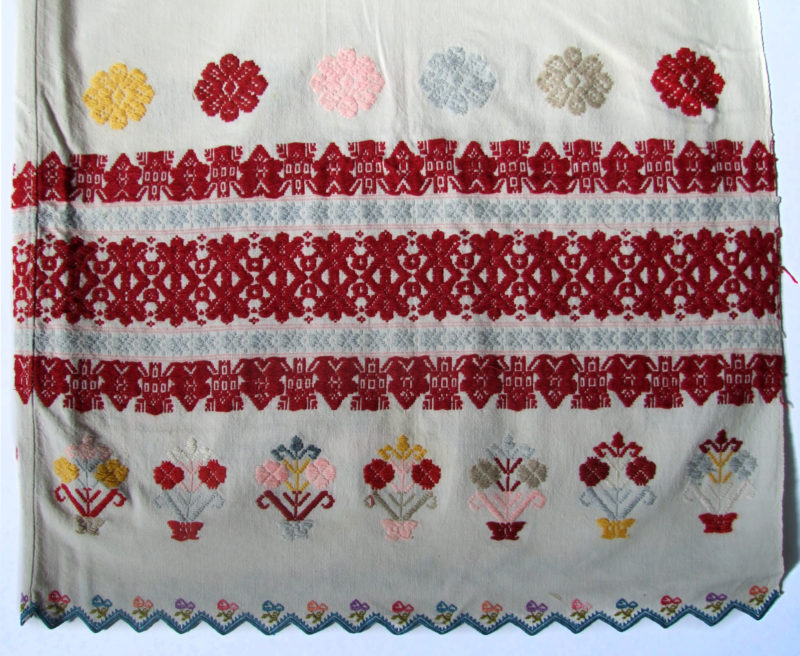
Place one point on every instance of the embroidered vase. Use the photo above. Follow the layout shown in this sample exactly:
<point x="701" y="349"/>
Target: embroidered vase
<point x="505" y="530"/>
<point x="718" y="523"/>
<point x="614" y="528"/>
<point x="182" y="531"/>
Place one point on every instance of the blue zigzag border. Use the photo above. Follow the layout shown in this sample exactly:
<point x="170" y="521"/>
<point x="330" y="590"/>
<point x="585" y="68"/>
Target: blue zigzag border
<point x="33" y="610"/>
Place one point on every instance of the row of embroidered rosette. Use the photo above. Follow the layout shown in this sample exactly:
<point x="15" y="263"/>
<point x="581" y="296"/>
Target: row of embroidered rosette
<point x="274" y="616"/>
<point x="455" y="80"/>
<point x="367" y="170"/>
<point x="402" y="480"/>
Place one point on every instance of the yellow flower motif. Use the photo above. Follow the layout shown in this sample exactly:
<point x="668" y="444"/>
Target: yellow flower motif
<point x="65" y="470"/>
<point x="111" y="473"/>
<point x="118" y="95"/>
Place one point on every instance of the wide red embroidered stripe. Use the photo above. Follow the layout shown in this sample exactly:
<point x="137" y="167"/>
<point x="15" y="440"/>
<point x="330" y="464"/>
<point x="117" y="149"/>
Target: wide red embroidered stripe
<point x="369" y="167"/>
<point x="387" y="276"/>
<point x="374" y="383"/>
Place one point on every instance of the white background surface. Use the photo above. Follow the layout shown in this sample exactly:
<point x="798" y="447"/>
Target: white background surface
<point x="778" y="632"/>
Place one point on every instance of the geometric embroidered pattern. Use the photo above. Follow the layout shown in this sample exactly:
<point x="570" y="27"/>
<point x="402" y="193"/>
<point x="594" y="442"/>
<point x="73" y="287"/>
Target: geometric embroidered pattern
<point x="515" y="382"/>
<point x="286" y="276"/>
<point x="368" y="167"/>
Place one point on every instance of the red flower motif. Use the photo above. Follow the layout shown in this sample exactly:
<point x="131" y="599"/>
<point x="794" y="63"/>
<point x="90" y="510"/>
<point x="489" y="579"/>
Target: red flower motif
<point x="593" y="471"/>
<point x="426" y="474"/>
<point x="378" y="474"/>
<point x="687" y="81"/>
<point x="167" y="475"/>
<point x="212" y="474"/>
<point x="230" y="87"/>
<point x="641" y="470"/>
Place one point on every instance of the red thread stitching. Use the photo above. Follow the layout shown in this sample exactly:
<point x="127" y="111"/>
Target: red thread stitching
<point x="289" y="276"/>
<point x="371" y="384"/>
<point x="309" y="169"/>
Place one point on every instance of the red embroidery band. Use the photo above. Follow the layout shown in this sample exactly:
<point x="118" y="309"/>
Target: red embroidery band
<point x="369" y="167"/>
<point x="389" y="276"/>
<point x="372" y="383"/>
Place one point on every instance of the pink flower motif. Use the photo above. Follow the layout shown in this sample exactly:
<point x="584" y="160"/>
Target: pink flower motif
<point x="347" y="83"/>
<point x="230" y="87"/>
<point x="320" y="473"/>
<point x="271" y="474"/>
<point x="88" y="450"/>
<point x="578" y="605"/>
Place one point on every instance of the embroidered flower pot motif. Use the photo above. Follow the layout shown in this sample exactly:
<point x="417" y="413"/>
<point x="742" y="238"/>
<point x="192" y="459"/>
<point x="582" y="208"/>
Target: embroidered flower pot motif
<point x="502" y="480"/>
<point x="402" y="612"/>
<point x="536" y="611"/>
<point x="718" y="476"/>
<point x="272" y="611"/>
<point x="687" y="81"/>
<point x="670" y="605"/>
<point x="616" y="479"/>
<point x="118" y="95"/>
<point x="456" y="80"/>
<point x="230" y="87"/>
<point x="358" y="610"/>
<point x="58" y="603"/>
<point x="142" y="607"/>
<point x="189" y="483"/>
<point x="575" y="81"/>
<point x="402" y="482"/>
<point x="90" y="481"/>
<point x="445" y="612"/>
<point x="347" y="83"/>
<point x="758" y="594"/>
<point x="295" y="468"/>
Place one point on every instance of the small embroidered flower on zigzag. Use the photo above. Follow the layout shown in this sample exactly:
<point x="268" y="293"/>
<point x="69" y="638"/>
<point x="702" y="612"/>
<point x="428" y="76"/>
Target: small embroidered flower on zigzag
<point x="190" y="483"/>
<point x="226" y="610"/>
<point x="58" y="603"/>
<point x="24" y="600"/>
<point x="183" y="609"/>
<point x="456" y="79"/>
<point x="580" y="609"/>
<point x="100" y="607"/>
<point x="445" y="612"/>
<point x="491" y="612"/>
<point x="88" y="465"/>
<point x="295" y="467"/>
<point x="575" y="81"/>
<point x="625" y="609"/>
<point x="718" y="476"/>
<point x="272" y="611"/>
<point x="715" y="602"/>
<point x="316" y="611"/>
<point x="758" y="595"/>
<point x="616" y="479"/>
<point x="402" y="612"/>
<point x="499" y="479"/>
<point x="402" y="482"/>
<point x="670" y="605"/>
<point x="536" y="611"/>
<point x="142" y="607"/>
<point x="358" y="610"/>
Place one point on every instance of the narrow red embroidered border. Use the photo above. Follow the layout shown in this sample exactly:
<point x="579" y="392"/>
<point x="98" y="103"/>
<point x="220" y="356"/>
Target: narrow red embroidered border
<point x="300" y="170"/>
<point x="387" y="276"/>
<point x="518" y="382"/>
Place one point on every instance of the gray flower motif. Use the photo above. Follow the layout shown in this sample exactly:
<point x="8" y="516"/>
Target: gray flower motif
<point x="743" y="464"/>
<point x="532" y="473"/>
<point x="484" y="474"/>
<point x="575" y="81"/>
<point x="456" y="79"/>
<point x="699" y="467"/>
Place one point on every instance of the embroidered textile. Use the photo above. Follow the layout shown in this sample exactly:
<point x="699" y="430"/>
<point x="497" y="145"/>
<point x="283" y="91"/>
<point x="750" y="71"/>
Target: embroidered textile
<point x="416" y="314"/>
